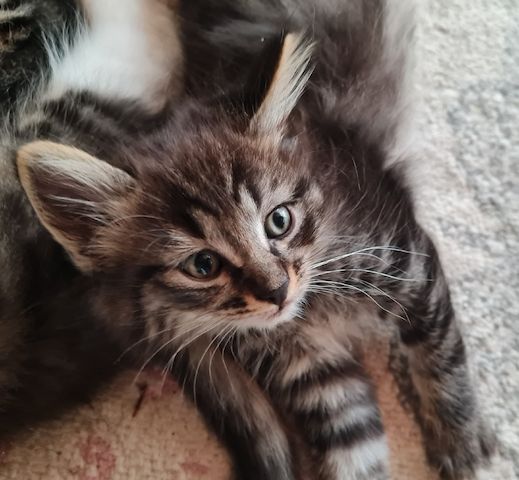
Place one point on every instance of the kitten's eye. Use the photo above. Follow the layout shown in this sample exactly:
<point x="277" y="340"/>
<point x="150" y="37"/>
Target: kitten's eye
<point x="203" y="265"/>
<point x="278" y="222"/>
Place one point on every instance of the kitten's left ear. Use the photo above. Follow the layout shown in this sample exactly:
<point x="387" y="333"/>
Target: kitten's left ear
<point x="288" y="81"/>
<point x="74" y="195"/>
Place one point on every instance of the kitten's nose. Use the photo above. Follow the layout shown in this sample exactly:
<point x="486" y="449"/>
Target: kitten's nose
<point x="276" y="296"/>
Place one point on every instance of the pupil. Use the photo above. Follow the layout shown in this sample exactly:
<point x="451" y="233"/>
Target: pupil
<point x="204" y="264"/>
<point x="279" y="220"/>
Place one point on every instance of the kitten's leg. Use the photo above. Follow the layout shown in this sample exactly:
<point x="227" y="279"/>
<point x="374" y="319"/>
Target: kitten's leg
<point x="238" y="411"/>
<point x="456" y="440"/>
<point x="331" y="402"/>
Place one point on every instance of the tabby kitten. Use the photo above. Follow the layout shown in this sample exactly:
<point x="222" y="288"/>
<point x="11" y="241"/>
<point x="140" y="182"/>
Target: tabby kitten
<point x="244" y="242"/>
<point x="88" y="75"/>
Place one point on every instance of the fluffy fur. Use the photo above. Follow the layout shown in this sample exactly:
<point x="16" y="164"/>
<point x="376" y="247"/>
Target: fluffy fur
<point x="52" y="352"/>
<point x="267" y="344"/>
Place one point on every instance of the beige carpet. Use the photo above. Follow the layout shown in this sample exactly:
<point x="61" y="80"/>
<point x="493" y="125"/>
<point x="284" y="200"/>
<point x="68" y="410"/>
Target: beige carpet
<point x="469" y="198"/>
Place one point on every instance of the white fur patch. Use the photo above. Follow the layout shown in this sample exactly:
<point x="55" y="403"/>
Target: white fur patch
<point x="129" y="50"/>
<point x="345" y="391"/>
<point x="350" y="416"/>
<point x="356" y="462"/>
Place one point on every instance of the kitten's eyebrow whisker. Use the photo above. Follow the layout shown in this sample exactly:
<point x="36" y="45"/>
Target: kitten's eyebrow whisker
<point x="153" y="197"/>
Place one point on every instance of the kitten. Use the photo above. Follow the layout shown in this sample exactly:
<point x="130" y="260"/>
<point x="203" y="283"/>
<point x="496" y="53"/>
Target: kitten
<point x="243" y="242"/>
<point x="94" y="78"/>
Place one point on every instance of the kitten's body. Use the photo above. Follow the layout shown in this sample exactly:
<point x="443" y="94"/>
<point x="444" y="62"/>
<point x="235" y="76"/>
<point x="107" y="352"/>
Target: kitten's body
<point x="90" y="86"/>
<point x="266" y="346"/>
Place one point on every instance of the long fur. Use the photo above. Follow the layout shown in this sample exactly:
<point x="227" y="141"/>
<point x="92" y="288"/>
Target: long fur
<point x="66" y="76"/>
<point x="267" y="343"/>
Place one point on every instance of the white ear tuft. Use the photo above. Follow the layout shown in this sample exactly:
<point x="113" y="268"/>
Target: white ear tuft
<point x="289" y="81"/>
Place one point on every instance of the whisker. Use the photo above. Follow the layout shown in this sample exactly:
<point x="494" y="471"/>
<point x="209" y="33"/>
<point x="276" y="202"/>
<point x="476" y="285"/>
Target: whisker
<point x="365" y="270"/>
<point x="387" y="275"/>
<point x="404" y="311"/>
<point x="169" y="342"/>
<point x="199" y="326"/>
<point x="169" y="364"/>
<point x="229" y="338"/>
<point x="366" y="249"/>
<point x="223" y="335"/>
<point x="200" y="363"/>
<point x="341" y="285"/>
<point x="138" y="342"/>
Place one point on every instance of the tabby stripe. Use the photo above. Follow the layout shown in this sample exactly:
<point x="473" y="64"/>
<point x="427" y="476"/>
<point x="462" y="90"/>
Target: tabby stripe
<point x="344" y="391"/>
<point x="241" y="176"/>
<point x="301" y="188"/>
<point x="323" y="375"/>
<point x="186" y="297"/>
<point x="233" y="303"/>
<point x="247" y="424"/>
<point x="346" y="436"/>
<point x="341" y="417"/>
<point x="424" y="327"/>
<point x="306" y="233"/>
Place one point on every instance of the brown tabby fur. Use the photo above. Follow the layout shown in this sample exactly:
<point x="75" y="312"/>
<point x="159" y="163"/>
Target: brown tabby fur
<point x="316" y="125"/>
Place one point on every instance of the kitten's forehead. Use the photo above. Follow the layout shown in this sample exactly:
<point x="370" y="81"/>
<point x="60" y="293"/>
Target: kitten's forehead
<point x="220" y="190"/>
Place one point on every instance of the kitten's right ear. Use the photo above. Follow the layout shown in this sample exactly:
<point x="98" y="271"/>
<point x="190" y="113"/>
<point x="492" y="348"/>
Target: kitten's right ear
<point x="288" y="81"/>
<point x="73" y="194"/>
<point x="277" y="76"/>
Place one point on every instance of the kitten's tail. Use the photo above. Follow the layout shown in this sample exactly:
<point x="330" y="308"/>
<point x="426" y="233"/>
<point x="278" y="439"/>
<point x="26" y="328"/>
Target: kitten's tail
<point x="363" y="56"/>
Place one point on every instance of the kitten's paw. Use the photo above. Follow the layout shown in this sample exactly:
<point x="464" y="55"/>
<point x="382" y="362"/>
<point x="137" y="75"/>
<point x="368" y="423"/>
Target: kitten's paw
<point x="458" y="455"/>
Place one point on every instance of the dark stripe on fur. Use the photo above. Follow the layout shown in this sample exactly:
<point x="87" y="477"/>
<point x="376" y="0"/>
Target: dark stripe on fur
<point x="325" y="439"/>
<point x="306" y="233"/>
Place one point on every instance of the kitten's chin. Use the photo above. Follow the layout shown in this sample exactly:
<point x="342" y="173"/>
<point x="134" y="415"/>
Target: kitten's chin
<point x="270" y="320"/>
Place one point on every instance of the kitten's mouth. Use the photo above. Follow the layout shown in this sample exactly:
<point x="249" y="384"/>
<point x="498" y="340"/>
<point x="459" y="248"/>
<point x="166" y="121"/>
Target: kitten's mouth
<point x="272" y="317"/>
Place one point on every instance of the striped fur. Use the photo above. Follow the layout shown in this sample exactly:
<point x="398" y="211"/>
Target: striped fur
<point x="267" y="346"/>
<point x="52" y="351"/>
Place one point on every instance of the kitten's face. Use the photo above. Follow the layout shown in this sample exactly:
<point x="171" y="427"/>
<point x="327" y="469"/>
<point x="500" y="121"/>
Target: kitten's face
<point x="223" y="220"/>
<point x="231" y="225"/>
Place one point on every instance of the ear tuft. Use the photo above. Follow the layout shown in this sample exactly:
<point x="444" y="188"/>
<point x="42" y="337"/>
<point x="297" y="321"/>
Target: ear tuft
<point x="288" y="83"/>
<point x="73" y="194"/>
